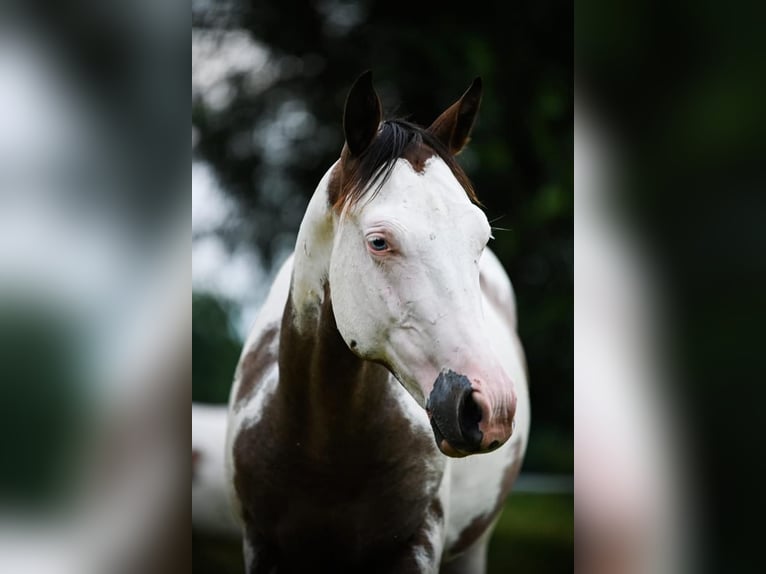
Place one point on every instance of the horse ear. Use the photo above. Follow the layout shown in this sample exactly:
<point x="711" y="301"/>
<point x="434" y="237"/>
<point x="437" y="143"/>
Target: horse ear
<point x="453" y="127"/>
<point x="362" y="114"/>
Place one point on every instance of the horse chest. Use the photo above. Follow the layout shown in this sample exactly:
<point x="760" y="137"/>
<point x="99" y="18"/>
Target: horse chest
<point x="365" y="490"/>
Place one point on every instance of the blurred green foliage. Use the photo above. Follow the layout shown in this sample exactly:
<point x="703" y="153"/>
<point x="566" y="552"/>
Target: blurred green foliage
<point x="216" y="350"/>
<point x="680" y="89"/>
<point x="44" y="404"/>
<point x="534" y="534"/>
<point x="280" y="130"/>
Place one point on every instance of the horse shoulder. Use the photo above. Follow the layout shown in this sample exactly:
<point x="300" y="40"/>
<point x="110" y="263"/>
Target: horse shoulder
<point x="257" y="373"/>
<point x="260" y="351"/>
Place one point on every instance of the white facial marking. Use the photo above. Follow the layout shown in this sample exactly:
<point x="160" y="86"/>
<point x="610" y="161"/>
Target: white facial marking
<point x="416" y="304"/>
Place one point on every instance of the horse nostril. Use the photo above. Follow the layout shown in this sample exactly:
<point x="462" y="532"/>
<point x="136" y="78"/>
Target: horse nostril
<point x="455" y="413"/>
<point x="469" y="418"/>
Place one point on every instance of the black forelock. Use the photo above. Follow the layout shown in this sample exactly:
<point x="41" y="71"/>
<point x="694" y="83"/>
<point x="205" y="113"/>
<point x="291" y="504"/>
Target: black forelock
<point x="374" y="166"/>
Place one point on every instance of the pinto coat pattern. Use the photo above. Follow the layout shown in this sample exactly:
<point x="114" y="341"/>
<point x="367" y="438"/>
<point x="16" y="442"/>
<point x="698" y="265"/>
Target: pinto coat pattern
<point x="380" y="411"/>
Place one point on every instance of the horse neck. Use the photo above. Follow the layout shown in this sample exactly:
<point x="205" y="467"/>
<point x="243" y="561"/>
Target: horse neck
<point x="345" y="415"/>
<point x="320" y="378"/>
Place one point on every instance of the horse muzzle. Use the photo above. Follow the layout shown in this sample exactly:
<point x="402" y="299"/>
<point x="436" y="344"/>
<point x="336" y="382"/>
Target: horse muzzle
<point x="465" y="418"/>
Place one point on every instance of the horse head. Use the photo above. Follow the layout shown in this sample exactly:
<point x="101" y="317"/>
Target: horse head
<point x="404" y="267"/>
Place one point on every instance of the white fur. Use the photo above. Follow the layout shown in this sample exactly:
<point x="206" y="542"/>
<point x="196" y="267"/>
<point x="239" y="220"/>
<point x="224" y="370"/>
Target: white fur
<point x="498" y="288"/>
<point x="420" y="309"/>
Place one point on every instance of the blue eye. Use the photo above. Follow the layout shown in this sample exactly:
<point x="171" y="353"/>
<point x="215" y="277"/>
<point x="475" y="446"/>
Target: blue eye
<point x="377" y="244"/>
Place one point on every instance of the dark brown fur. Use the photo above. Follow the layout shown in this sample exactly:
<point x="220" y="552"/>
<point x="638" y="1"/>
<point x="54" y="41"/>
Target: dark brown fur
<point x="417" y="155"/>
<point x="323" y="479"/>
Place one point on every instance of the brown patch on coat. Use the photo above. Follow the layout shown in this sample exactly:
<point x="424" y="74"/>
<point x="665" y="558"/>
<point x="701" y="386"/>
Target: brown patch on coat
<point x="479" y="525"/>
<point x="262" y="354"/>
<point x="323" y="478"/>
<point x="417" y="155"/>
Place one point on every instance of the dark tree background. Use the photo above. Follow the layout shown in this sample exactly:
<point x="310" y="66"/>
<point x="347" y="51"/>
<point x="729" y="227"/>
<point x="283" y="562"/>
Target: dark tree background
<point x="272" y="129"/>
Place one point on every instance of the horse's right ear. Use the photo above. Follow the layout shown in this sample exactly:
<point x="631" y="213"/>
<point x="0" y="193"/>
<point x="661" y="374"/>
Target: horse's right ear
<point x="362" y="114"/>
<point x="453" y="127"/>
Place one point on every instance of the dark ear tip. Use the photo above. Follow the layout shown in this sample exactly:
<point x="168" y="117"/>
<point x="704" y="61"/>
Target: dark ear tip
<point x="361" y="114"/>
<point x="365" y="78"/>
<point x="362" y="85"/>
<point x="475" y="87"/>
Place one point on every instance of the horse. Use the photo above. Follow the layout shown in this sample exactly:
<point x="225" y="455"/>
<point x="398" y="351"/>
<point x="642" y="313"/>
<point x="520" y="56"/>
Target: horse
<point x="380" y="413"/>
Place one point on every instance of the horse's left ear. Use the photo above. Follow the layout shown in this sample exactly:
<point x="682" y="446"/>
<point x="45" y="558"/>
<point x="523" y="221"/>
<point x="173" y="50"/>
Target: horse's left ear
<point x="362" y="114"/>
<point x="453" y="127"/>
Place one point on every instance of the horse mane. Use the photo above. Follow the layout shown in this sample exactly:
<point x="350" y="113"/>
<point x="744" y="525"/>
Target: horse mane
<point x="396" y="138"/>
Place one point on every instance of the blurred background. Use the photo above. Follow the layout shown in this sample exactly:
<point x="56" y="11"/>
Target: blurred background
<point x="670" y="110"/>
<point x="94" y="287"/>
<point x="268" y="85"/>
